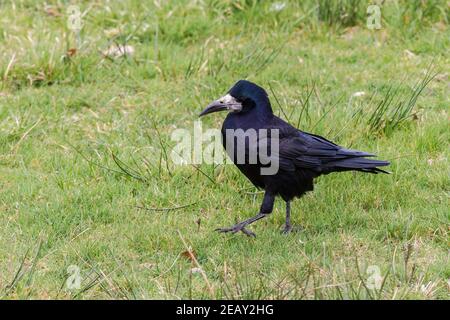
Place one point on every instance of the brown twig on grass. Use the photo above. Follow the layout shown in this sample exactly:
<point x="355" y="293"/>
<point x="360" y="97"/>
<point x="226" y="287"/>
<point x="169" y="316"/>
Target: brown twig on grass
<point x="194" y="260"/>
<point x="166" y="209"/>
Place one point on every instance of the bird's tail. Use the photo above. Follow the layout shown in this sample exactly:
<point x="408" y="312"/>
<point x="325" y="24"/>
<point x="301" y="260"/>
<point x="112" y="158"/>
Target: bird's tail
<point x="352" y="160"/>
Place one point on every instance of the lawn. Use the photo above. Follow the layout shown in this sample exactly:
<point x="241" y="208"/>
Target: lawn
<point x="93" y="207"/>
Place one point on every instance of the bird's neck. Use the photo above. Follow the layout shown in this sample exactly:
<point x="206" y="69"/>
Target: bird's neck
<point x="262" y="113"/>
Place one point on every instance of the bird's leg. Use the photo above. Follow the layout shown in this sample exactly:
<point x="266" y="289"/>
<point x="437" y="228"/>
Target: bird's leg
<point x="288" y="226"/>
<point x="266" y="208"/>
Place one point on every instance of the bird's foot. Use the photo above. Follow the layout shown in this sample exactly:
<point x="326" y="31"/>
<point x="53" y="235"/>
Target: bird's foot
<point x="241" y="226"/>
<point x="290" y="229"/>
<point x="236" y="228"/>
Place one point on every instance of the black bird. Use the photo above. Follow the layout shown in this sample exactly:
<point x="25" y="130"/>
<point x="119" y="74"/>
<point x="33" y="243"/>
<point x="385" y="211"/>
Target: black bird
<point x="301" y="156"/>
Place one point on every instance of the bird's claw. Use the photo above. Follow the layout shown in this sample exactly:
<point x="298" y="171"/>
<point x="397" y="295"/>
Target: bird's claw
<point x="286" y="230"/>
<point x="248" y="233"/>
<point x="235" y="229"/>
<point x="290" y="229"/>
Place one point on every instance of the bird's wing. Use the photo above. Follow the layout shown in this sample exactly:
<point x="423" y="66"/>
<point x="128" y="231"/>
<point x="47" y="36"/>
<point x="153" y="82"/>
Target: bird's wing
<point x="308" y="151"/>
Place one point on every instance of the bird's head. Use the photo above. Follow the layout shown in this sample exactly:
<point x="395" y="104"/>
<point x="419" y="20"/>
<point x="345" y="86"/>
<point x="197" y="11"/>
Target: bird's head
<point x="243" y="97"/>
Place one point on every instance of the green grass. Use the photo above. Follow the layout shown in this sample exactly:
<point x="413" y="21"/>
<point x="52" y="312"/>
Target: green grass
<point x="73" y="128"/>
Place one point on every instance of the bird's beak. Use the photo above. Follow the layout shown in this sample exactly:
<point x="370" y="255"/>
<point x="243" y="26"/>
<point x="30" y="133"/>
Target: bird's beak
<point x="227" y="102"/>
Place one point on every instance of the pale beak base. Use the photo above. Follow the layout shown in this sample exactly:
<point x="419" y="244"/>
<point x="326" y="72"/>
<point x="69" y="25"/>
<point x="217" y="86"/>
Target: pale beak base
<point x="227" y="102"/>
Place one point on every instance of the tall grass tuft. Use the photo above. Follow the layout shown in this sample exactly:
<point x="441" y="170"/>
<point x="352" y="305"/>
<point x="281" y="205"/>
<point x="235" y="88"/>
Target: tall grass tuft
<point x="415" y="14"/>
<point x="395" y="108"/>
<point x="341" y="13"/>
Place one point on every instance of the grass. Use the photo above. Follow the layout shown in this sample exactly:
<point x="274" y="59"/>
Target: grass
<point x="85" y="147"/>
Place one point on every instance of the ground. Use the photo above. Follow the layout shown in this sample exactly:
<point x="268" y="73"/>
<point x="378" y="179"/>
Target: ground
<point x="92" y="207"/>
